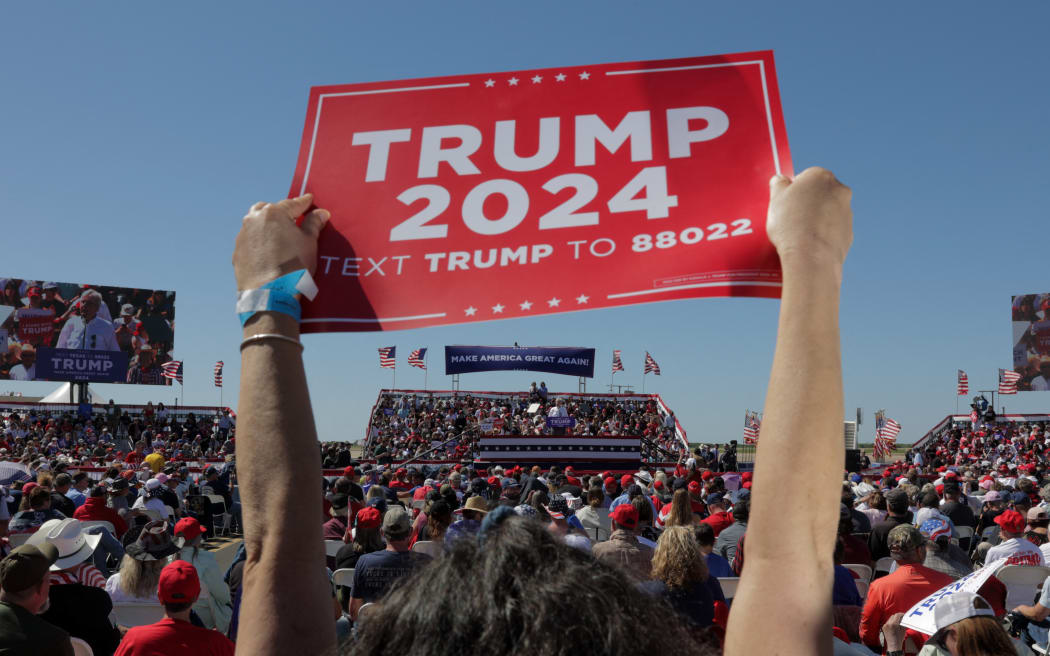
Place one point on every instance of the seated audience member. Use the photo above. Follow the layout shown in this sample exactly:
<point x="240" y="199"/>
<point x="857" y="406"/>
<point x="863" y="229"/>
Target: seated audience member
<point x="622" y="549"/>
<point x="366" y="539"/>
<point x="95" y="509"/>
<point x="177" y="589"/>
<point x="151" y="499"/>
<point x="78" y="602"/>
<point x="376" y="572"/>
<point x="906" y="586"/>
<point x="680" y="577"/>
<point x="897" y="513"/>
<point x="809" y="224"/>
<point x="1017" y="551"/>
<point x="593" y="517"/>
<point x="965" y="625"/>
<point x="726" y="542"/>
<point x="336" y="527"/>
<point x="59" y="499"/>
<point x="717" y="517"/>
<point x="139" y="572"/>
<point x="25" y="583"/>
<point x="855" y="550"/>
<point x="473" y="511"/>
<point x="213" y="608"/>
<point x="39" y="512"/>
<point x="717" y="566"/>
<point x="941" y="554"/>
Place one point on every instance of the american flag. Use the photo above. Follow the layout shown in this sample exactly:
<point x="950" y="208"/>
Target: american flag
<point x="415" y="358"/>
<point x="617" y="363"/>
<point x="218" y="373"/>
<point x="386" y="357"/>
<point x="172" y="370"/>
<point x="752" y="424"/>
<point x="650" y="365"/>
<point x="963" y="387"/>
<point x="1008" y="381"/>
<point x="886" y="431"/>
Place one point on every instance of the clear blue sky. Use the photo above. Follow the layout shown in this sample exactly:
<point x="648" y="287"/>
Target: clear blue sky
<point x="133" y="137"/>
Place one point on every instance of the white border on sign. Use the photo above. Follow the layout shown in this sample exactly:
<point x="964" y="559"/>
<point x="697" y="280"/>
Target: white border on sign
<point x="772" y="140"/>
<point x="776" y="166"/>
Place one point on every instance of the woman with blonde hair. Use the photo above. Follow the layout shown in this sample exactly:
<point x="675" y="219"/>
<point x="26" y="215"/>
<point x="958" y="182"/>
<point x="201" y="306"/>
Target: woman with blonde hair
<point x="680" y="576"/>
<point x="140" y="569"/>
<point x="681" y="512"/>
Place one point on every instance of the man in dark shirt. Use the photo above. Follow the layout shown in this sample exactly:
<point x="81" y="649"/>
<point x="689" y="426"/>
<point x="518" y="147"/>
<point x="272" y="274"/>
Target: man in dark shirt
<point x="26" y="582"/>
<point x="960" y="513"/>
<point x="59" y="500"/>
<point x="376" y="572"/>
<point x="897" y="505"/>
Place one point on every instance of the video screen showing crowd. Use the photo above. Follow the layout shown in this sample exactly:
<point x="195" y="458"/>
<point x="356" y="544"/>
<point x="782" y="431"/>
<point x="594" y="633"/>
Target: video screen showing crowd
<point x="1031" y="341"/>
<point x="87" y="333"/>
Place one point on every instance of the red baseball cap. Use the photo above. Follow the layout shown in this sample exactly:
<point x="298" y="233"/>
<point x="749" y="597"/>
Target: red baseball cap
<point x="626" y="480"/>
<point x="188" y="528"/>
<point x="609" y="481"/>
<point x="694" y="487"/>
<point x="746" y="476"/>
<point x="706" y="475"/>
<point x="658" y="485"/>
<point x="369" y="517"/>
<point x="1011" y="521"/>
<point x="746" y="485"/>
<point x="179" y="583"/>
<point x="349" y="472"/>
<point x="625" y="515"/>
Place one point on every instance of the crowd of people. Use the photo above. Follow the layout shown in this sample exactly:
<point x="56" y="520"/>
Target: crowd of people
<point x="444" y="426"/>
<point x="138" y="322"/>
<point x="97" y="435"/>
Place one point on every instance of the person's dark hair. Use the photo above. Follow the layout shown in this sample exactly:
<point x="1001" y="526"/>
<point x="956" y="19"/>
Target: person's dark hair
<point x="550" y="579"/>
<point x="341" y="485"/>
<point x="438" y="519"/>
<point x="742" y="509"/>
<point x="177" y="608"/>
<point x="705" y="534"/>
<point x="930" y="500"/>
<point x="645" y="511"/>
<point x="38" y="498"/>
<point x="595" y="497"/>
<point x="97" y="492"/>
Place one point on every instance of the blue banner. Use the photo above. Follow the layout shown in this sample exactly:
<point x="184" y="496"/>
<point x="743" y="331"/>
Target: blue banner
<point x="567" y="360"/>
<point x="561" y="422"/>
<point x="76" y="365"/>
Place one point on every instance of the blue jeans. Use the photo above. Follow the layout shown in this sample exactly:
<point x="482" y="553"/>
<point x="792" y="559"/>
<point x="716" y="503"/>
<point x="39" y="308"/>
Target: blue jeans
<point x="107" y="546"/>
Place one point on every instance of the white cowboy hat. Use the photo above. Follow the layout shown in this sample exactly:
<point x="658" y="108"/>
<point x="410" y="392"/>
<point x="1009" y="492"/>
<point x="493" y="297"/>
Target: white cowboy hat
<point x="67" y="535"/>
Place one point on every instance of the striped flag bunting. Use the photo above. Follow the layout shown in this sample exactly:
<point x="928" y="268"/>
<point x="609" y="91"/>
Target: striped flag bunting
<point x="386" y="357"/>
<point x="416" y="358"/>
<point x="218" y="373"/>
<point x="172" y="370"/>
<point x="531" y="449"/>
<point x="617" y="362"/>
<point x="963" y="384"/>
<point x="650" y="365"/>
<point x="1008" y="381"/>
<point x="752" y="425"/>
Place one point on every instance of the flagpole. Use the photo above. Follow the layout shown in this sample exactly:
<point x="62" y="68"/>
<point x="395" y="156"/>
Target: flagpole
<point x="393" y="376"/>
<point x="643" y="381"/>
<point x="426" y="372"/>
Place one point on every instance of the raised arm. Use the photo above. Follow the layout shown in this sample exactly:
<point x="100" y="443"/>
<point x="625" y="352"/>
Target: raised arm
<point x="783" y="605"/>
<point x="286" y="607"/>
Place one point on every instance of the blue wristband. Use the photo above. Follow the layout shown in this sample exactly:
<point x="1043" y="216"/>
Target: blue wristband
<point x="278" y="295"/>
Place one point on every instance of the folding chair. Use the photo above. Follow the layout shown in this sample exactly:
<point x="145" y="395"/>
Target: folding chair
<point x="884" y="565"/>
<point x="18" y="539"/>
<point x="81" y="648"/>
<point x="218" y="512"/>
<point x="729" y="585"/>
<point x="428" y="547"/>
<point x="332" y="547"/>
<point x="88" y="523"/>
<point x="965" y="533"/>
<point x="862" y="571"/>
<point x="343" y="577"/>
<point x="133" y="613"/>
<point x="862" y="588"/>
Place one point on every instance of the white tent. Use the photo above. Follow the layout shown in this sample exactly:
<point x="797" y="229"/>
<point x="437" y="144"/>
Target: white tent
<point x="61" y="395"/>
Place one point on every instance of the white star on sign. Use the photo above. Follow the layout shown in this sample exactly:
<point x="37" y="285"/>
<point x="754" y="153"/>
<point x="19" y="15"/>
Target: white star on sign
<point x="554" y="302"/>
<point x="585" y="75"/>
<point x="497" y="308"/>
<point x="560" y="77"/>
<point x="470" y="311"/>
<point x="582" y="298"/>
<point x="513" y="81"/>
<point x="490" y="82"/>
<point x="536" y="79"/>
<point x="526" y="305"/>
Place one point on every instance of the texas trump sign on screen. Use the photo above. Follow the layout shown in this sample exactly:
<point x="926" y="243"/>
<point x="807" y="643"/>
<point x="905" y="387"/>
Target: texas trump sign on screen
<point x="505" y="195"/>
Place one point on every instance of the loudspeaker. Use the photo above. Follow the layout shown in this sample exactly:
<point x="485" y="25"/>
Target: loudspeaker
<point x="852" y="460"/>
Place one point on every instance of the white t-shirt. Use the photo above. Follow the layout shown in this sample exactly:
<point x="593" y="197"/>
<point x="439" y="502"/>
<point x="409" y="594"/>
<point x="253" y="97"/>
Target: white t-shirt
<point x="19" y="372"/>
<point x="98" y="335"/>
<point x="1017" y="551"/>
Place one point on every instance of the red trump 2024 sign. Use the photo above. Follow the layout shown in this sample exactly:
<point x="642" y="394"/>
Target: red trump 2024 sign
<point x="516" y="194"/>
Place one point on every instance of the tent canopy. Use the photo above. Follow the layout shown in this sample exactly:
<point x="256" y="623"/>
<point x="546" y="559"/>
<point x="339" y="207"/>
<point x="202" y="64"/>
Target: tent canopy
<point x="61" y="395"/>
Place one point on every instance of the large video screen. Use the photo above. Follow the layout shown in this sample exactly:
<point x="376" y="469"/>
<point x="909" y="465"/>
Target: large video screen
<point x="1031" y="323"/>
<point x="64" y="331"/>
